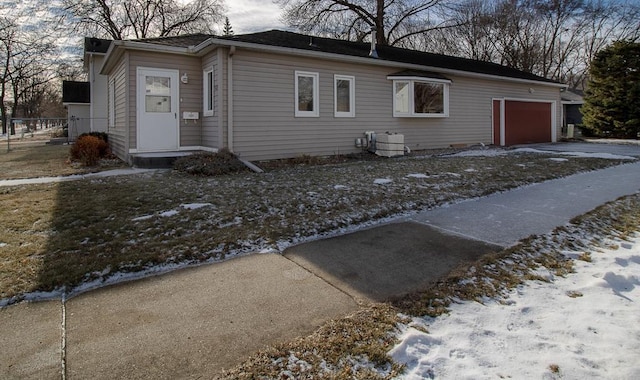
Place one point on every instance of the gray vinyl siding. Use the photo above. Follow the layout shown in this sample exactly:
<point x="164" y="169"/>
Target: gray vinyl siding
<point x="211" y="124"/>
<point x="265" y="127"/>
<point x="119" y="131"/>
<point x="190" y="93"/>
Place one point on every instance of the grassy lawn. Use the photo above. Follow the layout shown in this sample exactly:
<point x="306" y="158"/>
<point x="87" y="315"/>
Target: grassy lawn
<point x="69" y="233"/>
<point x="32" y="158"/>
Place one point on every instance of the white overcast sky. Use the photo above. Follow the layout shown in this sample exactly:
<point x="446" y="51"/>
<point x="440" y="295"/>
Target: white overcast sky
<point x="247" y="16"/>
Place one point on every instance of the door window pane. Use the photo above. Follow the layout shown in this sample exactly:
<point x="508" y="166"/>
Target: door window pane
<point x="157" y="103"/>
<point x="158" y="94"/>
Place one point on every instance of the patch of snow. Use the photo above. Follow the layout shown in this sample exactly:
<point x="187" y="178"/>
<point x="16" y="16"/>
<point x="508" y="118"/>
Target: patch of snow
<point x="143" y="217"/>
<point x="584" y="325"/>
<point x="558" y="159"/>
<point x="480" y="153"/>
<point x="382" y="181"/>
<point x="195" y="206"/>
<point x="607" y="156"/>
<point x="417" y="175"/>
<point x="3" y="244"/>
<point x="470" y="170"/>
<point x="341" y="187"/>
<point x="168" y="213"/>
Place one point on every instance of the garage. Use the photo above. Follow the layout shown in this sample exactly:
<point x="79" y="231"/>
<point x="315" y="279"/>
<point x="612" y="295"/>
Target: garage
<point x="522" y="122"/>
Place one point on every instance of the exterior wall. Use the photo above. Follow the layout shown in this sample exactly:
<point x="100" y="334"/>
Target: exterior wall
<point x="98" y="112"/>
<point x="190" y="93"/>
<point x="211" y="124"/>
<point x="119" y="128"/>
<point x="78" y="119"/>
<point x="264" y="125"/>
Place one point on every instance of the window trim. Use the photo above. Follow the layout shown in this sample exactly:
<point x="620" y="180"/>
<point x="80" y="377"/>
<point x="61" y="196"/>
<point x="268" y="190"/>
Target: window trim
<point x="411" y="81"/>
<point x="112" y="102"/>
<point x="352" y="95"/>
<point x="208" y="92"/>
<point x="316" y="94"/>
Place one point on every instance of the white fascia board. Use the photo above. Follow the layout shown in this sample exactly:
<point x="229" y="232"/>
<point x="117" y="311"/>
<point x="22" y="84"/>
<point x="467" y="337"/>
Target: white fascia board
<point x="366" y="60"/>
<point x="117" y="48"/>
<point x="416" y="78"/>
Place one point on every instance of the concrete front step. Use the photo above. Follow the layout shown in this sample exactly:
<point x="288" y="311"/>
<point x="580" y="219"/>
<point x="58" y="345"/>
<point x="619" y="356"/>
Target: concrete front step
<point x="163" y="160"/>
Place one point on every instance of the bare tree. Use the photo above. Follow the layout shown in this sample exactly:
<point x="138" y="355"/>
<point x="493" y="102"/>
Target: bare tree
<point x="122" y="19"/>
<point x="555" y="39"/>
<point x="26" y="52"/>
<point x="395" y="22"/>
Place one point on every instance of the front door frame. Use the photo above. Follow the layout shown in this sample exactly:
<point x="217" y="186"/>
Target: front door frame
<point x="175" y="104"/>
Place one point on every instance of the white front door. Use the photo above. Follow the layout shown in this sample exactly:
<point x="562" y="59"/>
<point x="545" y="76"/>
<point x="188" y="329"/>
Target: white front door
<point x="157" y="114"/>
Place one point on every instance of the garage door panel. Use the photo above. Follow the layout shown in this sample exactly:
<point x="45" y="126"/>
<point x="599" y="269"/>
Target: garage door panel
<point x="527" y="122"/>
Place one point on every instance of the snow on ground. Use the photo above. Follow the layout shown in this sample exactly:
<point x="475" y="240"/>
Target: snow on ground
<point x="502" y="152"/>
<point x="582" y="326"/>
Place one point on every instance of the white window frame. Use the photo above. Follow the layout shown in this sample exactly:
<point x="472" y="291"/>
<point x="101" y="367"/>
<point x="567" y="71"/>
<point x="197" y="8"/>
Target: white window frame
<point x="112" y="102"/>
<point x="352" y="95"/>
<point x="411" y="82"/>
<point x="208" y="92"/>
<point x="316" y="92"/>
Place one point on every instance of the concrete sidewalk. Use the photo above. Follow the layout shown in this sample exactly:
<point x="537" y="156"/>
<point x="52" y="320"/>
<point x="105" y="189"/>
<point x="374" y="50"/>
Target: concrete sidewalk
<point x="194" y="322"/>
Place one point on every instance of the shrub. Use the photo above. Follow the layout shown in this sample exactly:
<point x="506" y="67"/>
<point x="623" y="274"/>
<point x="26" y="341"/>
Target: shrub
<point x="210" y="164"/>
<point x="89" y="150"/>
<point x="101" y="135"/>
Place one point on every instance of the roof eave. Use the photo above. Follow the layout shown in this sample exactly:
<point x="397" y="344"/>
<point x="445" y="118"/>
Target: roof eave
<point x="117" y="49"/>
<point x="213" y="42"/>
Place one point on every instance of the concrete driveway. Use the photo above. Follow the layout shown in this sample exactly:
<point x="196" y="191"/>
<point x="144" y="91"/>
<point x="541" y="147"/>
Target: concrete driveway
<point x="628" y="148"/>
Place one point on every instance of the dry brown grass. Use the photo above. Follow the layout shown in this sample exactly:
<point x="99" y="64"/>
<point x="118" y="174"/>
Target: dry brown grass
<point x="34" y="158"/>
<point x="73" y="232"/>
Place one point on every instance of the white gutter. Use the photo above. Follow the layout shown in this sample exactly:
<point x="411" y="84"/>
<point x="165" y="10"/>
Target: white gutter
<point x="232" y="51"/>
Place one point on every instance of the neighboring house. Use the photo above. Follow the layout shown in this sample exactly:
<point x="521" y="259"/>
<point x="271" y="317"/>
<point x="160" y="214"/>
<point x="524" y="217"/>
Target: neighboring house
<point x="279" y="94"/>
<point x="572" y="101"/>
<point x="76" y="97"/>
<point x="95" y="50"/>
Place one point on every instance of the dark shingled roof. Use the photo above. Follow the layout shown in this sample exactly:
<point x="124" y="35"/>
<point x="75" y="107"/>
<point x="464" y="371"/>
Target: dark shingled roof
<point x="279" y="38"/>
<point x="386" y="53"/>
<point x="76" y="92"/>
<point x="96" y="45"/>
<point x="184" y="41"/>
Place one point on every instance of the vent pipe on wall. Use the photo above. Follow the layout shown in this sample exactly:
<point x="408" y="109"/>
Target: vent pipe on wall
<point x="373" y="53"/>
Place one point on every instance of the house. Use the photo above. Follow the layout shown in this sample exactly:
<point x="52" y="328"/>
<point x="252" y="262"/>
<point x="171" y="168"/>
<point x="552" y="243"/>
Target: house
<point x="279" y="94"/>
<point x="95" y="50"/>
<point x="76" y="98"/>
<point x="572" y="101"/>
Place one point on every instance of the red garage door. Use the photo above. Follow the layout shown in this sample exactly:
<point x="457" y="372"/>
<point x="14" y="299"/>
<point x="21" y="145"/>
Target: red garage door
<point x="524" y="122"/>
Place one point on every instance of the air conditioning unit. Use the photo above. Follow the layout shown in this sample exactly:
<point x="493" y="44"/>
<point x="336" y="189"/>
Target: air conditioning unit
<point x="390" y="145"/>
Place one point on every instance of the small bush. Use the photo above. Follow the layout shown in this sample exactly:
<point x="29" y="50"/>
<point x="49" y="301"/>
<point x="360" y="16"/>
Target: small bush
<point x="101" y="135"/>
<point x="89" y="150"/>
<point x="210" y="164"/>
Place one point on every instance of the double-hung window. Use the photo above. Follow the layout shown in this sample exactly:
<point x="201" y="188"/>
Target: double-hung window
<point x="306" y="94"/>
<point x="344" y="96"/>
<point x="207" y="96"/>
<point x="420" y="97"/>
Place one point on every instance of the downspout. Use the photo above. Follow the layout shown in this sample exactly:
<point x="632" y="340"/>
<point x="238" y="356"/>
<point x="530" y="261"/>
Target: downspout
<point x="232" y="51"/>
